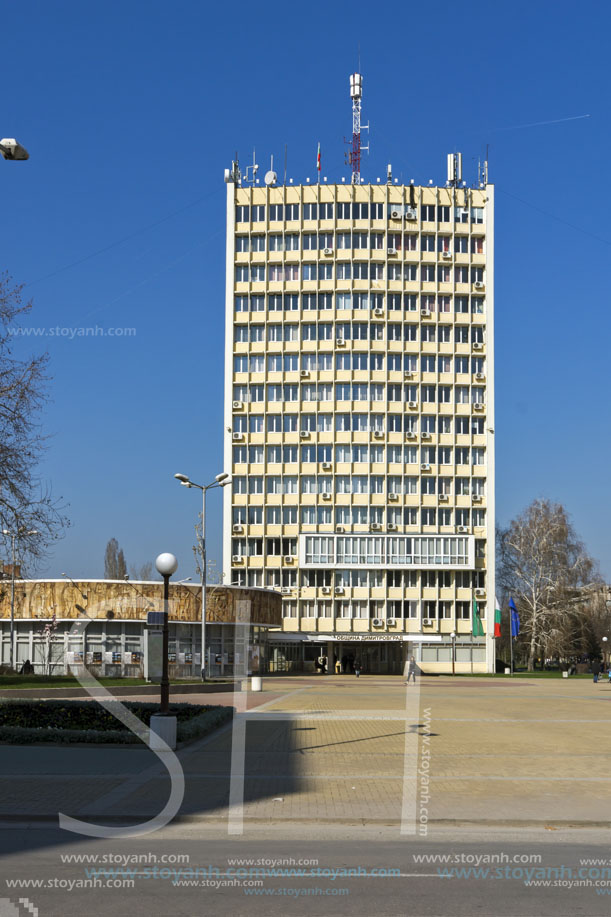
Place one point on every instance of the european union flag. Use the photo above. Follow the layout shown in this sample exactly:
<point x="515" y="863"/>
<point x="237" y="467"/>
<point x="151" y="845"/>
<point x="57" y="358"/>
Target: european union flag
<point x="515" y="618"/>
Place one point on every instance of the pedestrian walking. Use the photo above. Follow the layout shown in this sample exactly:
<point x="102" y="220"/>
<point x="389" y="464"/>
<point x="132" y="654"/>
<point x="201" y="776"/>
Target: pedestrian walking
<point x="411" y="670"/>
<point x="595" y="670"/>
<point x="356" y="665"/>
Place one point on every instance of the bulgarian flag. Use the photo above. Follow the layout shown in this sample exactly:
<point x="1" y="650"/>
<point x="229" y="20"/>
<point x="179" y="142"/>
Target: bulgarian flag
<point x="318" y="159"/>
<point x="497" y="618"/>
<point x="478" y="628"/>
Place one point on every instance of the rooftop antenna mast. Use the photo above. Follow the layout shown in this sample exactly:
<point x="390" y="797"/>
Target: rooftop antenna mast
<point x="354" y="156"/>
<point x="253" y="169"/>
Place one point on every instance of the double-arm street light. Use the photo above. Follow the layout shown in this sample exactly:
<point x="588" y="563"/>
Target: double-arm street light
<point x="220" y="481"/>
<point x="20" y="533"/>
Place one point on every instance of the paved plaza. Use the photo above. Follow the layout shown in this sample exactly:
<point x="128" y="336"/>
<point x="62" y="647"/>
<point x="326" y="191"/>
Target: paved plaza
<point x="337" y="749"/>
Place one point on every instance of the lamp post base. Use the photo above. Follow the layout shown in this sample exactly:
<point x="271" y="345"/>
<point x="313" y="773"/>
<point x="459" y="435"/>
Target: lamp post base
<point x="163" y="730"/>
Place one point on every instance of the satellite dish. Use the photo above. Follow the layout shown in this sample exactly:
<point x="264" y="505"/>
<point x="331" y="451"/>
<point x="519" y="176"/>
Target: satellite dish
<point x="271" y="177"/>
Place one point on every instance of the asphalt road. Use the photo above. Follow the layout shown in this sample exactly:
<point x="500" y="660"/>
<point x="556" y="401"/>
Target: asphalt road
<point x="388" y="878"/>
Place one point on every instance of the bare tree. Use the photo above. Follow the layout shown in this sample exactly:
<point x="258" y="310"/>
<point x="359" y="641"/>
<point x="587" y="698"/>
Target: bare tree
<point x="542" y="563"/>
<point x="114" y="561"/>
<point x="145" y="572"/>
<point x="26" y="503"/>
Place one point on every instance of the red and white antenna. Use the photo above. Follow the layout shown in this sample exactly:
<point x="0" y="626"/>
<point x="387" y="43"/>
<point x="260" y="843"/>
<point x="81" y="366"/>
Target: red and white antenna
<point x="354" y="157"/>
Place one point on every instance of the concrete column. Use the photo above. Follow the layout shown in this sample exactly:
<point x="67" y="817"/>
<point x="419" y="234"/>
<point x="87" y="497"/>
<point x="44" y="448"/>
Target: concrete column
<point x="330" y="662"/>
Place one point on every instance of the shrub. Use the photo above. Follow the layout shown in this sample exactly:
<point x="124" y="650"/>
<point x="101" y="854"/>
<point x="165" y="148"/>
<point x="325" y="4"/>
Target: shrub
<point x="25" y="721"/>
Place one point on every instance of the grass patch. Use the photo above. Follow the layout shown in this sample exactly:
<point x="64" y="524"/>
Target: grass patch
<point x="25" y="722"/>
<point x="526" y="675"/>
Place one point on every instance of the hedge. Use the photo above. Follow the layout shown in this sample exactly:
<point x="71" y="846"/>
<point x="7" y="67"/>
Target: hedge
<point x="23" y="722"/>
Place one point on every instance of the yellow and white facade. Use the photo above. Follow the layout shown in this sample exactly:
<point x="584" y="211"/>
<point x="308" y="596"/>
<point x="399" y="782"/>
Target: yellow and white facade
<point x="359" y="415"/>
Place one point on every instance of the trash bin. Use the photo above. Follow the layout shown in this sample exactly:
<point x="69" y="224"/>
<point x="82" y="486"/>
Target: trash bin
<point x="163" y="728"/>
<point x="255" y="684"/>
<point x="507" y="671"/>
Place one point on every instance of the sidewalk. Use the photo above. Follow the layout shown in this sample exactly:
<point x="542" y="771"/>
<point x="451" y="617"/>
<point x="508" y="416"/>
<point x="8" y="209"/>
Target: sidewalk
<point x="351" y="751"/>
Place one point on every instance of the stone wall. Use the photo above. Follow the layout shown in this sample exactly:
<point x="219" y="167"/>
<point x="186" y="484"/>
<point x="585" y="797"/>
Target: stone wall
<point x="123" y="601"/>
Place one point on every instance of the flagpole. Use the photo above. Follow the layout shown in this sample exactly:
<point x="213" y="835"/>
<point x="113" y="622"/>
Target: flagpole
<point x="511" y="641"/>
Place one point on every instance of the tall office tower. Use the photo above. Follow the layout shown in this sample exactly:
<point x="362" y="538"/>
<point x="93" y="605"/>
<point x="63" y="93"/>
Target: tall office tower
<point x="359" y="418"/>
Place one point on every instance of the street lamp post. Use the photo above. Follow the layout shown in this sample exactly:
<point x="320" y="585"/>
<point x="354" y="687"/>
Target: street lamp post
<point x="14" y="536"/>
<point x="221" y="480"/>
<point x="453" y="635"/>
<point x="10" y="149"/>
<point x="166" y="565"/>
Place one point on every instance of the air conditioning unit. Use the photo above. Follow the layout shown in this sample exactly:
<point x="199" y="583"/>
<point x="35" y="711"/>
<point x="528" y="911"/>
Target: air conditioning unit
<point x="479" y="406"/>
<point x="237" y="559"/>
<point x="237" y="529"/>
<point x="410" y="435"/>
<point x="379" y="313"/>
<point x="339" y="590"/>
<point x="287" y="590"/>
<point x="427" y="622"/>
<point x="378" y="435"/>
<point x="288" y="558"/>
<point x="391" y="621"/>
<point x="462" y="529"/>
<point x="391" y="251"/>
<point x="326" y="590"/>
<point x="305" y="373"/>
<point x="480" y="592"/>
<point x="393" y="498"/>
<point x="443" y="498"/>
<point x="479" y="285"/>
<point x="477" y="345"/>
<point x="391" y="527"/>
<point x="237" y="405"/>
<point x="340" y="528"/>
<point x="378" y="622"/>
<point x="326" y="466"/>
<point x="425" y="313"/>
<point x="327" y="251"/>
<point x="425" y="467"/>
<point x="426" y="436"/>
<point x="340" y="342"/>
<point x="237" y="437"/>
<point x="408" y="374"/>
<point x="480" y="376"/>
<point x="412" y="404"/>
<point x="304" y="434"/>
<point x="396" y="215"/>
<point x="411" y="213"/>
<point x="446" y="255"/>
<point x="327" y="496"/>
<point x="376" y="527"/>
<point x="477" y="498"/>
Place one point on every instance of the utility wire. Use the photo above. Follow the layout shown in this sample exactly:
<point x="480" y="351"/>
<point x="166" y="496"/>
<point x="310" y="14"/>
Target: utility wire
<point x="117" y="242"/>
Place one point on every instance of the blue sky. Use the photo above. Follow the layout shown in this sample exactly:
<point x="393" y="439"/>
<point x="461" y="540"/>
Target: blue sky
<point x="132" y="110"/>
